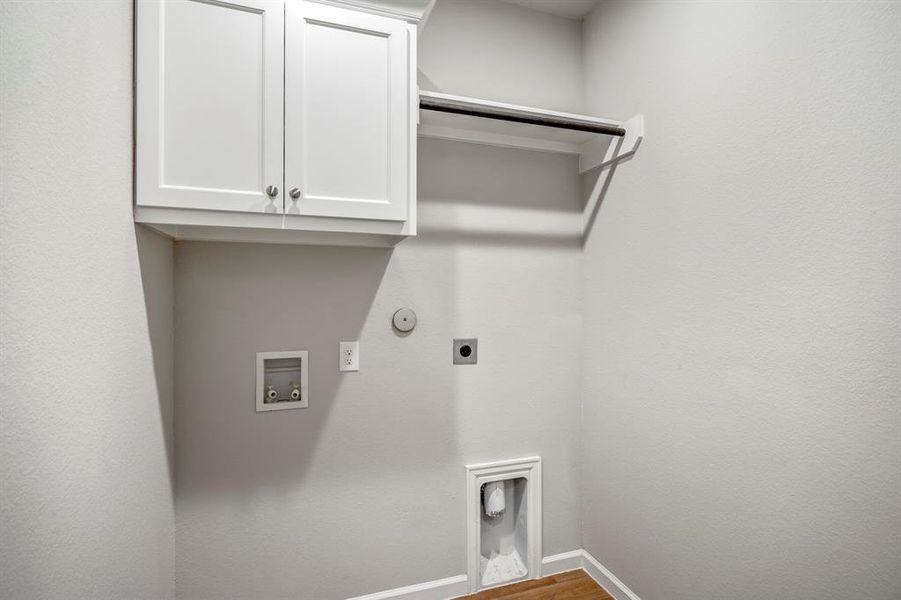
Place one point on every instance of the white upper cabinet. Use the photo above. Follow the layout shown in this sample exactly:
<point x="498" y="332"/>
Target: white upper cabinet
<point x="348" y="121"/>
<point x="275" y="120"/>
<point x="210" y="104"/>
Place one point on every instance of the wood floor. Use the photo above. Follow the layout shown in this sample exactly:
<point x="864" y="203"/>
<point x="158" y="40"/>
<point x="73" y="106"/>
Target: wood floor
<point x="572" y="585"/>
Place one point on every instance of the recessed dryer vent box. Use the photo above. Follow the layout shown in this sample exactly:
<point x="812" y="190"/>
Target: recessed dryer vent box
<point x="282" y="380"/>
<point x="503" y="502"/>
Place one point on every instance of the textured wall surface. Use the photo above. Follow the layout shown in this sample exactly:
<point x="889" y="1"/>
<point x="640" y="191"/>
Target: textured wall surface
<point x="498" y="51"/>
<point x="743" y="356"/>
<point x="363" y="491"/>
<point x="86" y="387"/>
<point x="741" y="431"/>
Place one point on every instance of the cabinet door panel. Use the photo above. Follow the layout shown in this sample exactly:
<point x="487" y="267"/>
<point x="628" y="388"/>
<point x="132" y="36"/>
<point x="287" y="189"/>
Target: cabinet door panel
<point x="210" y="104"/>
<point x="347" y="113"/>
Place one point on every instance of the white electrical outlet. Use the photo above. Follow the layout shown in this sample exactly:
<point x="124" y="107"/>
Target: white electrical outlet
<point x="349" y="356"/>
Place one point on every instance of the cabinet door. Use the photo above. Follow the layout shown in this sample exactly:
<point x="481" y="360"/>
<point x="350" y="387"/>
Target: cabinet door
<point x="347" y="113"/>
<point x="210" y="93"/>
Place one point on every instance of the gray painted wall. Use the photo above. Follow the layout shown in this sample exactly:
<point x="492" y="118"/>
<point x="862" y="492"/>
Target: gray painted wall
<point x="740" y="378"/>
<point x="363" y="491"/>
<point x="498" y="51"/>
<point x="742" y="381"/>
<point x="86" y="318"/>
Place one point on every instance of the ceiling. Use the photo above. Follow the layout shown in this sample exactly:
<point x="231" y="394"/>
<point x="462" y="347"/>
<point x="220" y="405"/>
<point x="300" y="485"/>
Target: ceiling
<point x="571" y="9"/>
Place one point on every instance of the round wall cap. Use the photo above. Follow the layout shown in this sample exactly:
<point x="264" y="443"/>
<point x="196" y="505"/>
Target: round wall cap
<point x="405" y="320"/>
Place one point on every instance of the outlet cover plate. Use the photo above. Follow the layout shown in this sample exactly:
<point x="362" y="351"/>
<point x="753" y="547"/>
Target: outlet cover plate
<point x="466" y="351"/>
<point x="349" y="356"/>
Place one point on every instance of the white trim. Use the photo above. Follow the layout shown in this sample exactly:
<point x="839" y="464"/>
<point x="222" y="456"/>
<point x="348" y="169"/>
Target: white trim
<point x="375" y="8"/>
<point x="275" y="236"/>
<point x="225" y="226"/>
<point x="561" y="563"/>
<point x="515" y="109"/>
<point x="412" y="126"/>
<point x="272" y="221"/>
<point x="454" y="587"/>
<point x="501" y="140"/>
<point x="426" y="13"/>
<point x="439" y="589"/>
<point x="606" y="579"/>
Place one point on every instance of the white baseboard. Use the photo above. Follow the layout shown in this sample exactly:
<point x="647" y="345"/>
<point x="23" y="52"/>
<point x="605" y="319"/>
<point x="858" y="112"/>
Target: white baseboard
<point x="580" y="559"/>
<point x="606" y="579"/>
<point x="439" y="589"/>
<point x="560" y="563"/>
<point x="454" y="587"/>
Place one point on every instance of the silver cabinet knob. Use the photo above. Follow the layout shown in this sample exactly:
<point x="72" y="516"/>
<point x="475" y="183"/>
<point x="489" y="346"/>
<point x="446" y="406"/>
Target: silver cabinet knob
<point x="272" y="191"/>
<point x="294" y="193"/>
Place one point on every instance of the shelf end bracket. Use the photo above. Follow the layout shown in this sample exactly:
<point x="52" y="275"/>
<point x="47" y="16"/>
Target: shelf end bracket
<point x="604" y="152"/>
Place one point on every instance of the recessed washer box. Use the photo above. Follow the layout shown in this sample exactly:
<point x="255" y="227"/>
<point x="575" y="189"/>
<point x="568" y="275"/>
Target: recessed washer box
<point x="282" y="380"/>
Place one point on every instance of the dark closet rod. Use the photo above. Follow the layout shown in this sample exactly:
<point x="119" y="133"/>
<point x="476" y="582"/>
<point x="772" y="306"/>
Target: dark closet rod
<point x="439" y="105"/>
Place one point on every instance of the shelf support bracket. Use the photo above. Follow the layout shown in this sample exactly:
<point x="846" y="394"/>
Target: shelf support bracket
<point x="606" y="154"/>
<point x="603" y="151"/>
